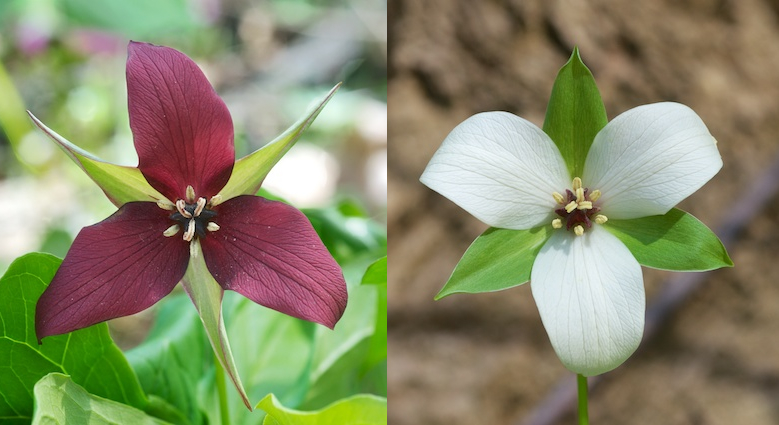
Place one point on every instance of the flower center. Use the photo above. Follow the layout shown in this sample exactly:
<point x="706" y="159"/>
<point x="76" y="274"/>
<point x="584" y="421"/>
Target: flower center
<point x="577" y="208"/>
<point x="191" y="215"/>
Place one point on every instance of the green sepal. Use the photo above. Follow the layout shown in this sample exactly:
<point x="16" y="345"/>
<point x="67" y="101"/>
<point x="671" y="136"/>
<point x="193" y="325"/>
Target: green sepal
<point x="121" y="184"/>
<point x="207" y="294"/>
<point x="361" y="409"/>
<point x="250" y="171"/>
<point x="498" y="259"/>
<point x="575" y="113"/>
<point x="676" y="241"/>
<point x="59" y="400"/>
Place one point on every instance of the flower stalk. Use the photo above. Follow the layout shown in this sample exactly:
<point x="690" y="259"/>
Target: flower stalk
<point x="581" y="386"/>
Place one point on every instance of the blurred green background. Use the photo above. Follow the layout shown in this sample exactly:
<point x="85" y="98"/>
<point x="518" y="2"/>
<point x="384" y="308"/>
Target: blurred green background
<point x="64" y="61"/>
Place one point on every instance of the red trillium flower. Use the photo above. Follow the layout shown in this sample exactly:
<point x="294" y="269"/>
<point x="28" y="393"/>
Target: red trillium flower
<point x="265" y="250"/>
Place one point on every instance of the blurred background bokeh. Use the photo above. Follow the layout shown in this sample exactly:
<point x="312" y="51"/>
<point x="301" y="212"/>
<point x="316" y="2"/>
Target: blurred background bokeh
<point x="64" y="61"/>
<point x="486" y="359"/>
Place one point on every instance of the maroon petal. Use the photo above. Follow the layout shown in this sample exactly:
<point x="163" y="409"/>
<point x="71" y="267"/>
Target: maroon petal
<point x="117" y="267"/>
<point x="268" y="252"/>
<point x="182" y="130"/>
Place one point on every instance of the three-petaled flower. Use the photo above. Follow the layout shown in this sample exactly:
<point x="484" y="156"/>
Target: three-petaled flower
<point x="265" y="250"/>
<point x="586" y="283"/>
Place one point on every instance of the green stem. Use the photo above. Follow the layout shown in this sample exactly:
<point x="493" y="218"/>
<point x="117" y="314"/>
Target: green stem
<point x="221" y="389"/>
<point x="581" y="383"/>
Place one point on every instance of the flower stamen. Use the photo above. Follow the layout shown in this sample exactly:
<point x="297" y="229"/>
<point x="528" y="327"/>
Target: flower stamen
<point x="579" y="210"/>
<point x="181" y="207"/>
<point x="165" y="205"/>
<point x="193" y="216"/>
<point x="201" y="203"/>
<point x="190" y="233"/>
<point x="190" y="194"/>
<point x="171" y="231"/>
<point x="215" y="200"/>
<point x="576" y="184"/>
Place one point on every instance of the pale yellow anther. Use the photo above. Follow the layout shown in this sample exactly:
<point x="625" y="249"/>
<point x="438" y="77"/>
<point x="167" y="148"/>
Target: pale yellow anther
<point x="180" y="204"/>
<point x="558" y="198"/>
<point x="571" y="206"/>
<point x="201" y="203"/>
<point x="595" y="195"/>
<point x="585" y="205"/>
<point x="576" y="184"/>
<point x="172" y="230"/>
<point x="557" y="223"/>
<point x="165" y="205"/>
<point x="190" y="233"/>
<point x="190" y="194"/>
<point x="600" y="219"/>
<point x="215" y="200"/>
<point x="212" y="227"/>
<point x="578" y="230"/>
<point x="579" y="195"/>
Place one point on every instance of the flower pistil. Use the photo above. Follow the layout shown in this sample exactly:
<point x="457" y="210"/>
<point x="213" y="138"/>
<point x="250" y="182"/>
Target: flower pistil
<point x="577" y="208"/>
<point x="192" y="216"/>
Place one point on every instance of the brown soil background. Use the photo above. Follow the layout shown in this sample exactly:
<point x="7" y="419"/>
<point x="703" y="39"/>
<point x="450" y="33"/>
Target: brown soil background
<point x="486" y="359"/>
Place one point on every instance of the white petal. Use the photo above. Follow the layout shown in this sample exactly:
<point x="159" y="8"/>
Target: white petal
<point x="590" y="294"/>
<point x="500" y="168"/>
<point x="649" y="159"/>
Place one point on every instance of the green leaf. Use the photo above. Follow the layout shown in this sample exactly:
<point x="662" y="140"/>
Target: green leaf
<point x="120" y="184"/>
<point x="206" y="294"/>
<point x="377" y="275"/>
<point x="347" y="237"/>
<point x="575" y="113"/>
<point x="59" y="400"/>
<point x="171" y="360"/>
<point x="359" y="409"/>
<point x="88" y="355"/>
<point x="138" y="19"/>
<point x="496" y="260"/>
<point x="250" y="171"/>
<point x="675" y="241"/>
<point x="342" y="355"/>
<point x="275" y="352"/>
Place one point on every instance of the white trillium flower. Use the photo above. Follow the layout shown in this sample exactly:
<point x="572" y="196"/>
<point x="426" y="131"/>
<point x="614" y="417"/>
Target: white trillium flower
<point x="586" y="283"/>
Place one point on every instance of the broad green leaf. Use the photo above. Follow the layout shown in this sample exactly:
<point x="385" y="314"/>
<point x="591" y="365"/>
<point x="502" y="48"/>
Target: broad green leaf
<point x="138" y="19"/>
<point x="88" y="355"/>
<point x="675" y="241"/>
<point x="250" y="171"/>
<point x="12" y="120"/>
<point x="206" y="294"/>
<point x="121" y="184"/>
<point x="376" y="275"/>
<point x="360" y="409"/>
<point x="171" y="359"/>
<point x="496" y="260"/>
<point x="275" y="352"/>
<point x="347" y="237"/>
<point x="59" y="400"/>
<point x="341" y="355"/>
<point x="575" y="113"/>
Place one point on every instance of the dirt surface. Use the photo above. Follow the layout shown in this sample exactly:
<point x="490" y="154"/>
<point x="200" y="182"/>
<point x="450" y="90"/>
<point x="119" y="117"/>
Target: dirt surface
<point x="486" y="359"/>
